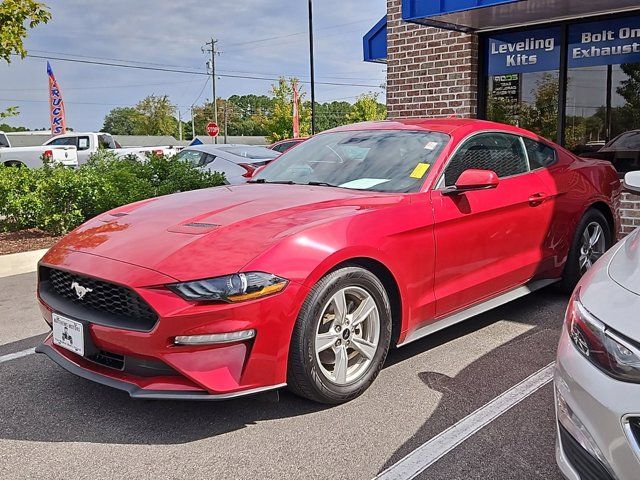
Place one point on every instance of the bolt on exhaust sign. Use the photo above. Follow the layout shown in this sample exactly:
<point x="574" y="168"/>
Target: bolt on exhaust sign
<point x="56" y="105"/>
<point x="605" y="43"/>
<point x="526" y="51"/>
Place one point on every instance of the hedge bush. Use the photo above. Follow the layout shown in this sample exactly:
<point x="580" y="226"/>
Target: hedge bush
<point x="57" y="199"/>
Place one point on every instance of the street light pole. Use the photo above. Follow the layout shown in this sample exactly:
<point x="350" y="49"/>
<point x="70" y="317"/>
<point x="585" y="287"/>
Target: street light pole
<point x="311" y="64"/>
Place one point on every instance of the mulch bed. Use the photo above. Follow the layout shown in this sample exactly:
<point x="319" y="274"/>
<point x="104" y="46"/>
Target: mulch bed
<point x="25" y="240"/>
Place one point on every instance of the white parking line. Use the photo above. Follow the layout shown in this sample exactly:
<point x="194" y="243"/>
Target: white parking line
<point x="430" y="452"/>
<point x="14" y="356"/>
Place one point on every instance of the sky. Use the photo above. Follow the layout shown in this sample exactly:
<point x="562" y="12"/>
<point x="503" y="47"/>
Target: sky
<point x="256" y="38"/>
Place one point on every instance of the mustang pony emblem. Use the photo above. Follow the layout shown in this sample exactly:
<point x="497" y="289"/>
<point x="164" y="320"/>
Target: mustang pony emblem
<point x="80" y="290"/>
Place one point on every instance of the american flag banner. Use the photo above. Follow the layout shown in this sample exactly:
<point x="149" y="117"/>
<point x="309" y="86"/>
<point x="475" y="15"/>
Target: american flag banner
<point x="56" y="104"/>
<point x="296" y="111"/>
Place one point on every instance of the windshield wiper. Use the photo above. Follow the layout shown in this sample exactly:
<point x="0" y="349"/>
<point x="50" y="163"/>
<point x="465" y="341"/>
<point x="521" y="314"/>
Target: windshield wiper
<point x="321" y="184"/>
<point x="278" y="182"/>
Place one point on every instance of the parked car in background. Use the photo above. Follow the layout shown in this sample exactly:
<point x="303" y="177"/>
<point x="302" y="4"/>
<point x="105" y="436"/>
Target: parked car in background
<point x="284" y="145"/>
<point x="34" y="157"/>
<point x="89" y="143"/>
<point x="237" y="162"/>
<point x="623" y="152"/>
<point x="4" y="141"/>
<point x="360" y="239"/>
<point x="597" y="378"/>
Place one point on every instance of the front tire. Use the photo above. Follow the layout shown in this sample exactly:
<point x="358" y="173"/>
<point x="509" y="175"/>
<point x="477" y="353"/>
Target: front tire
<point x="590" y="241"/>
<point x="341" y="337"/>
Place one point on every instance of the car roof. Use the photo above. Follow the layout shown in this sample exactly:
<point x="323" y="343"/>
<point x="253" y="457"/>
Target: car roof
<point x="443" y="125"/>
<point x="221" y="151"/>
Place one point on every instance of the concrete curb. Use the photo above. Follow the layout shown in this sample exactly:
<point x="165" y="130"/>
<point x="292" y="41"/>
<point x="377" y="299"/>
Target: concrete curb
<point x="19" y="263"/>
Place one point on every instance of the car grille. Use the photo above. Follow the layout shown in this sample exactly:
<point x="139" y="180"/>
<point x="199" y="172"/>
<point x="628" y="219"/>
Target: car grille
<point x="588" y="467"/>
<point x="104" y="303"/>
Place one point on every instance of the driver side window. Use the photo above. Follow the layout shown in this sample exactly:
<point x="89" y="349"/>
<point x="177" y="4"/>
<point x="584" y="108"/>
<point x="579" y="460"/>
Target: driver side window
<point x="500" y="152"/>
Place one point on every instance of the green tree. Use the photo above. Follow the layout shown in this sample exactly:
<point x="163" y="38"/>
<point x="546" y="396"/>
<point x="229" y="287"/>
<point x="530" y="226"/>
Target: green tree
<point x="122" y="121"/>
<point x="10" y="112"/>
<point x="332" y="114"/>
<point x="367" y="108"/>
<point x="156" y="116"/>
<point x="279" y="123"/>
<point x="16" y="18"/>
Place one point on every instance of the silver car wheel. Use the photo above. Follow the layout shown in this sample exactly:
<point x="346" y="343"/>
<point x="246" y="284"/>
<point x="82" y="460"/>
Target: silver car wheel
<point x="347" y="336"/>
<point x="593" y="246"/>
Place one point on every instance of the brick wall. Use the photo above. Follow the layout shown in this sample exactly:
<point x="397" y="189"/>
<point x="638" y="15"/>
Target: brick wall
<point x="430" y="72"/>
<point x="629" y="213"/>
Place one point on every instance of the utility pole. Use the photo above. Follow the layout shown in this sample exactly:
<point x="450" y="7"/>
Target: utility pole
<point x="180" y="123"/>
<point x="193" y="125"/>
<point x="210" y="47"/>
<point x="313" y="77"/>
<point x="226" y="121"/>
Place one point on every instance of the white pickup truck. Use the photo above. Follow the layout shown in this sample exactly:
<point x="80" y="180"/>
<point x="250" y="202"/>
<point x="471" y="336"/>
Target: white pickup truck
<point x="32" y="157"/>
<point x="89" y="143"/>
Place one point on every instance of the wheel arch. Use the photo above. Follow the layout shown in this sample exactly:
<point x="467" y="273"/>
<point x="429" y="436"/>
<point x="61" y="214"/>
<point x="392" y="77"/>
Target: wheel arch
<point x="390" y="284"/>
<point x="13" y="163"/>
<point x="605" y="209"/>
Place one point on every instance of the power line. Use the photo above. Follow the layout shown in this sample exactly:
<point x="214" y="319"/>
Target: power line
<point x="100" y="87"/>
<point x="122" y="60"/>
<point x="172" y="70"/>
<point x="263" y="40"/>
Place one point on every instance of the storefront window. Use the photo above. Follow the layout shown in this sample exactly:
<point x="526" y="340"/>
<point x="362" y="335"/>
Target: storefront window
<point x="586" y="109"/>
<point x="625" y="99"/>
<point x="523" y="80"/>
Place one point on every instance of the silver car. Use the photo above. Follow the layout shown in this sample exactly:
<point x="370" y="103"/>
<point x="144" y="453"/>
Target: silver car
<point x="237" y="162"/>
<point x="597" y="376"/>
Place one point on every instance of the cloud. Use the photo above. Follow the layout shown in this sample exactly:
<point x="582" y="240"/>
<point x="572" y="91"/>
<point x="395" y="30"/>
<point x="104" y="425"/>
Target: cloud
<point x="172" y="33"/>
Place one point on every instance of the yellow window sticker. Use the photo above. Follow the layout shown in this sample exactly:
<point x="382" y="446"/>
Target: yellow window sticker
<point x="420" y="170"/>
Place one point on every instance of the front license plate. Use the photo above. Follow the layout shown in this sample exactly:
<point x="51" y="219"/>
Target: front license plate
<point x="68" y="334"/>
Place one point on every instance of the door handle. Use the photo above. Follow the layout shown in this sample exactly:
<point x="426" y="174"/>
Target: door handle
<point x="538" y="199"/>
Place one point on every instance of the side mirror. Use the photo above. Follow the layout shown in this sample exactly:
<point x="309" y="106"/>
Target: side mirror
<point x="473" y="179"/>
<point x="632" y="182"/>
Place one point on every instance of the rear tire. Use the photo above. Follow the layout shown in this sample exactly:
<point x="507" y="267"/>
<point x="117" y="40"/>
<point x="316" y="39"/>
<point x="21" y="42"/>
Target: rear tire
<point x="584" y="253"/>
<point x="341" y="337"/>
<point x="14" y="164"/>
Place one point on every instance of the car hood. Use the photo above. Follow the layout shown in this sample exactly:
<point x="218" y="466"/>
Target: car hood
<point x="624" y="268"/>
<point x="215" y="231"/>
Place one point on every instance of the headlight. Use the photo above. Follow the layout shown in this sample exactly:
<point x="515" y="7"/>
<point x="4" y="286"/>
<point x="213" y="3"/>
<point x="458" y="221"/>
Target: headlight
<point x="611" y="352"/>
<point x="238" y="287"/>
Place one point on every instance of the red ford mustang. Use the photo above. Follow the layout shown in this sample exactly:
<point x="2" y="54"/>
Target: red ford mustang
<point x="360" y="239"/>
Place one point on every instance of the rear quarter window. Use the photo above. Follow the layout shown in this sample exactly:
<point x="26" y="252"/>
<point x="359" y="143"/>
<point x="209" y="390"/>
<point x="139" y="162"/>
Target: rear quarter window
<point x="540" y="155"/>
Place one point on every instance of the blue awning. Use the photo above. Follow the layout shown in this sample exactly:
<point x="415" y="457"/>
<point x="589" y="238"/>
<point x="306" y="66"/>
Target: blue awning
<point x="482" y="15"/>
<point x="375" y="43"/>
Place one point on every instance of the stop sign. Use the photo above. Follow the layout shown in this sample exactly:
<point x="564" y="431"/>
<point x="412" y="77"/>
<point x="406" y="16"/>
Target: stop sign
<point x="213" y="129"/>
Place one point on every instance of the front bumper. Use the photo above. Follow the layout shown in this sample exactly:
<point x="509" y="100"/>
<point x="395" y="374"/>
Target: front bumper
<point x="208" y="372"/>
<point x="153" y="391"/>
<point x="603" y="406"/>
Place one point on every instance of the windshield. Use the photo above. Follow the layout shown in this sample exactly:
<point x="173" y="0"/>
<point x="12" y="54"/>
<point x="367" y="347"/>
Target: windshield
<point x="626" y="141"/>
<point x="376" y="160"/>
<point x="3" y="141"/>
<point x="253" y="153"/>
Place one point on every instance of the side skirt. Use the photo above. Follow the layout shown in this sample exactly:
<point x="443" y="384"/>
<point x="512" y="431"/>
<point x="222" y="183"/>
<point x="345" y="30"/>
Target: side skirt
<point x="477" y="309"/>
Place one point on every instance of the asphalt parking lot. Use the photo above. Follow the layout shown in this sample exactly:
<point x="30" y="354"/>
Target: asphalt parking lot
<point x="56" y="424"/>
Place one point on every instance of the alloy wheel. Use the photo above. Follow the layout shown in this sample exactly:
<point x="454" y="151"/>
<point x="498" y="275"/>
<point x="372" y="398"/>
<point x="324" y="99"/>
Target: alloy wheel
<point x="593" y="246"/>
<point x="347" y="336"/>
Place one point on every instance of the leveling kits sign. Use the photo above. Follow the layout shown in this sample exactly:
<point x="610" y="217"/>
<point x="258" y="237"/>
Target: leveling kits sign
<point x="609" y="42"/>
<point x="520" y="52"/>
